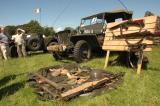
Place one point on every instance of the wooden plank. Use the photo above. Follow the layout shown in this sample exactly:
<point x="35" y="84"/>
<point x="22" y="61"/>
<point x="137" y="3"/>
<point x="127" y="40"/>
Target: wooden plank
<point x="148" y="20"/>
<point x="84" y="86"/>
<point x="131" y="30"/>
<point x="150" y="25"/>
<point x="115" y="48"/>
<point x="139" y="65"/>
<point x="123" y="42"/>
<point x="122" y="48"/>
<point x="52" y="83"/>
<point x="134" y="36"/>
<point x="106" y="60"/>
<point x="134" y="28"/>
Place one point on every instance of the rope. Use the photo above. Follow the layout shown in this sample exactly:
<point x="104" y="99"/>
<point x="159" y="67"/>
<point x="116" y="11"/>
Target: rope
<point x="123" y="5"/>
<point x="140" y="41"/>
<point x="64" y="9"/>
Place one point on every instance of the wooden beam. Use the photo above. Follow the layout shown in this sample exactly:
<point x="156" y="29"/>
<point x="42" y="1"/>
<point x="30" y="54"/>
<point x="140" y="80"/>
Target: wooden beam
<point x="139" y="65"/>
<point x="52" y="83"/>
<point x="107" y="58"/>
<point x="77" y="90"/>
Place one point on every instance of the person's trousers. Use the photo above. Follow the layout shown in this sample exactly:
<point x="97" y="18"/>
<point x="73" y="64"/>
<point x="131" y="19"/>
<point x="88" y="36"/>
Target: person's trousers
<point x="21" y="50"/>
<point x="4" y="51"/>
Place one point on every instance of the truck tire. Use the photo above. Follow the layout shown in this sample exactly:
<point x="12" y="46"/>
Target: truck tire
<point x="82" y="51"/>
<point x="12" y="52"/>
<point x="34" y="44"/>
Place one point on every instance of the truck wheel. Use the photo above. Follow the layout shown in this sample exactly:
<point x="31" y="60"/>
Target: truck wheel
<point x="34" y="44"/>
<point x="12" y="52"/>
<point x="82" y="51"/>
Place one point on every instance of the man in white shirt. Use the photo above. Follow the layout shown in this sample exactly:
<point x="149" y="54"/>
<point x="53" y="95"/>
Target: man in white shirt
<point x="3" y="44"/>
<point x="19" y="40"/>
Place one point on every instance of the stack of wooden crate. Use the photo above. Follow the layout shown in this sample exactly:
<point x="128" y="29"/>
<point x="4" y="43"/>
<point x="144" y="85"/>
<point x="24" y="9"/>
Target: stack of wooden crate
<point x="120" y="36"/>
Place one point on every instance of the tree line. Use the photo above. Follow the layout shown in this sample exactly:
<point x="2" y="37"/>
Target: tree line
<point x="32" y="27"/>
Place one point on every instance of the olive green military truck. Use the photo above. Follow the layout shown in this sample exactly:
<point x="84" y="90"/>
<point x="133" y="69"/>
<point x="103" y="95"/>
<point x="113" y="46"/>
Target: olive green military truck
<point x="88" y="38"/>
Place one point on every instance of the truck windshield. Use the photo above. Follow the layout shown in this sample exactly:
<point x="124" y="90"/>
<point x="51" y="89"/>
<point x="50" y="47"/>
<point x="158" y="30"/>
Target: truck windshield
<point x="91" y="21"/>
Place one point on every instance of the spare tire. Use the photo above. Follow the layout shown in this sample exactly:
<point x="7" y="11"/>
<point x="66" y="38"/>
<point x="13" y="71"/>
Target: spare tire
<point x="12" y="52"/>
<point x="34" y="43"/>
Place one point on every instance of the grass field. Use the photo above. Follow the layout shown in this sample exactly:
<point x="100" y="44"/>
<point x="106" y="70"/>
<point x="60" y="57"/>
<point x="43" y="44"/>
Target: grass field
<point x="143" y="90"/>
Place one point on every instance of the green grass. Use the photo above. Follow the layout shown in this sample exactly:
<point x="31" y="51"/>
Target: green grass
<point x="143" y="90"/>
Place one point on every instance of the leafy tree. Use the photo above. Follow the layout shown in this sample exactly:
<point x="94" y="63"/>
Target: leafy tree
<point x="33" y="27"/>
<point x="10" y="30"/>
<point x="49" y="31"/>
<point x="69" y="28"/>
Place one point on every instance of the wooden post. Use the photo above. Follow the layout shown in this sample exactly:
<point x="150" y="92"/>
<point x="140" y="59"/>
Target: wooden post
<point x="107" y="58"/>
<point x="139" y="65"/>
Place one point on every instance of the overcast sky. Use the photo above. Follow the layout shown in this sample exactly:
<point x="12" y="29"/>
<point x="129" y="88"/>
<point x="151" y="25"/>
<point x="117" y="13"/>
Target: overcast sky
<point x="69" y="12"/>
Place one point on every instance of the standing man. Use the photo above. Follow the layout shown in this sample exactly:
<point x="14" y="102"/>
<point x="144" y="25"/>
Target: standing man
<point x="3" y="44"/>
<point x="19" y="39"/>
